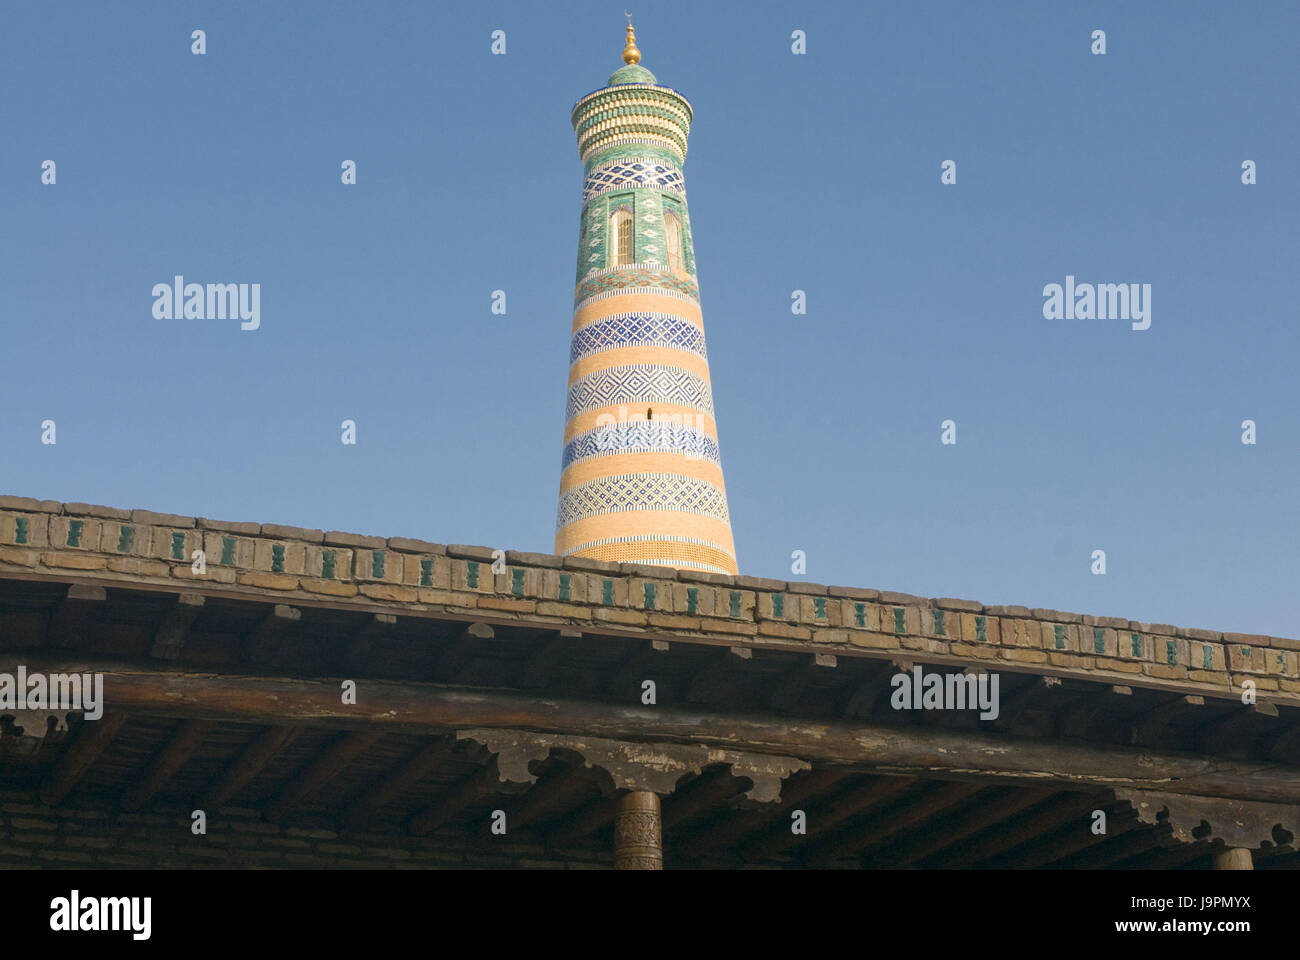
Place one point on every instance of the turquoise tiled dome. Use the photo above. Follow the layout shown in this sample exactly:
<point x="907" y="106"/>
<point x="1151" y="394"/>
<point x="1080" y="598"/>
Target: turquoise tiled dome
<point x="632" y="73"/>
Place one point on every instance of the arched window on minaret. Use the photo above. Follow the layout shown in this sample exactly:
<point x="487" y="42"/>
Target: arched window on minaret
<point x="673" y="237"/>
<point x="620" y="226"/>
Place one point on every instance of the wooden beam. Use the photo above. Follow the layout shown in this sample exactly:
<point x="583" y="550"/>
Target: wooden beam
<point x="1247" y="721"/>
<point x="540" y="666"/>
<point x="175" y="627"/>
<point x="862" y="702"/>
<point x="708" y="793"/>
<point x="1152" y="724"/>
<point x="187" y="739"/>
<point x="789" y="687"/>
<point x="1014" y="705"/>
<point x="248" y="765"/>
<point x="589" y="819"/>
<point x="460" y="651"/>
<point x="1072" y="838"/>
<point x="411" y="772"/>
<point x="321" y="771"/>
<point x="360" y="644"/>
<point x="730" y="830"/>
<point x="70" y="619"/>
<point x="878" y="832"/>
<point x="883" y="749"/>
<point x="823" y="821"/>
<point x="484" y="782"/>
<point x="266" y="635"/>
<point x="1112" y="849"/>
<point x="1007" y="804"/>
<point x="91" y="742"/>
<point x="997" y="842"/>
<point x="547" y="799"/>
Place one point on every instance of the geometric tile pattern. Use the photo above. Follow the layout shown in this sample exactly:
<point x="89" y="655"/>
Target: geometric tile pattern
<point x="639" y="383"/>
<point x="632" y="140"/>
<point x="641" y="436"/>
<point x="637" y="330"/>
<point x="630" y="172"/>
<point x="642" y="491"/>
<point x="635" y="275"/>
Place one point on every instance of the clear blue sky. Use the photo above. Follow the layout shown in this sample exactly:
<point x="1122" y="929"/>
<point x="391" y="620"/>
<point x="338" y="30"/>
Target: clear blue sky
<point x="817" y="172"/>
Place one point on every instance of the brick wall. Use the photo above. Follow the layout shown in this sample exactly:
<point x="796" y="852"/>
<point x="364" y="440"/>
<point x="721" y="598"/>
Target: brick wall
<point x="36" y="836"/>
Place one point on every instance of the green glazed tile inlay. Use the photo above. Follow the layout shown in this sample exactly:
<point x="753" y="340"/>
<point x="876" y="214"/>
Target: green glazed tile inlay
<point x="899" y="624"/>
<point x="426" y="572"/>
<point x="74" y="532"/>
<point x="819" y="606"/>
<point x="377" y="563"/>
<point x="566" y="582"/>
<point x="1207" y="656"/>
<point x="1171" y="653"/>
<point x="471" y="574"/>
<point x="178" y="547"/>
<point x="607" y="593"/>
<point x="517" y="582"/>
<point x="692" y="599"/>
<point x="778" y="605"/>
<point x="1137" y="644"/>
<point x="277" y="557"/>
<point x="1059" y="632"/>
<point x="938" y="623"/>
<point x="981" y="628"/>
<point x="125" y="537"/>
<point x="20" y="529"/>
<point x="327" y="564"/>
<point x="1098" y="640"/>
<point x="860" y="614"/>
<point x="649" y="596"/>
<point x="227" y="550"/>
<point x="735" y="603"/>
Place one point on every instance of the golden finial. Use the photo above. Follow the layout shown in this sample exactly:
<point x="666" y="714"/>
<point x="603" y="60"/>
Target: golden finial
<point x="630" y="53"/>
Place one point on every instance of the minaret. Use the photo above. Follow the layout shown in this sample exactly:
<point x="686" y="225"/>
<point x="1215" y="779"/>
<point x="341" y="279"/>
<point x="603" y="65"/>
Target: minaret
<point x="641" y="475"/>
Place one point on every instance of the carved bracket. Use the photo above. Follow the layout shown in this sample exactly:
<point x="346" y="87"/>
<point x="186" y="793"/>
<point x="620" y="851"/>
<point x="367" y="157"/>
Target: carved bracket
<point x="1237" y="823"/>
<point x="36" y="723"/>
<point x="632" y="765"/>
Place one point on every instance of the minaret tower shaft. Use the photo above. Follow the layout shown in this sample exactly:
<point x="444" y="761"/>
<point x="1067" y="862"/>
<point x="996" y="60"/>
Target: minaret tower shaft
<point x="641" y="473"/>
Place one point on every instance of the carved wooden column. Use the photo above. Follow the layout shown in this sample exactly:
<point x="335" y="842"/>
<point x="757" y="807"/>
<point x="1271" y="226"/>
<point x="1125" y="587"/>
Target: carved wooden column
<point x="638" y="832"/>
<point x="1234" y="858"/>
